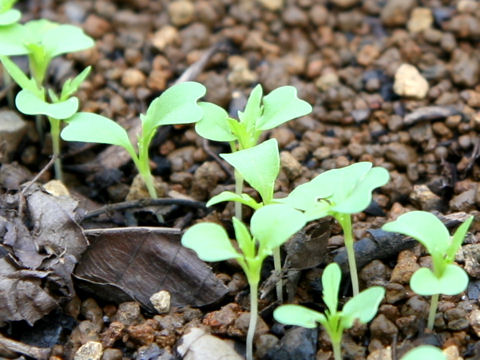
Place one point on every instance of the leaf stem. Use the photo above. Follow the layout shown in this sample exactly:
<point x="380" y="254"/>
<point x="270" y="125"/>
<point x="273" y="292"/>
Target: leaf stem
<point x="143" y="164"/>
<point x="253" y="318"/>
<point x="55" y="133"/>
<point x="238" y="190"/>
<point x="277" y="263"/>
<point x="345" y="221"/>
<point x="433" y="311"/>
<point x="337" y="349"/>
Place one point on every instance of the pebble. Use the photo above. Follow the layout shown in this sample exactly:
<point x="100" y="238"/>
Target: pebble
<point x="383" y="329"/>
<point x="128" y="313"/>
<point x="471" y="255"/>
<point x="205" y="178"/>
<point x="240" y="73"/>
<point x="425" y="199"/>
<point x="400" y="154"/>
<point x="264" y="343"/>
<point x="181" y="12"/>
<point x="133" y="78"/>
<point x="112" y="354"/>
<point x="410" y="83"/>
<point x="405" y="267"/>
<point x="292" y="168"/>
<point x="394" y="293"/>
<point x="456" y="319"/>
<point x="464" y="201"/>
<point x="92" y="350"/>
<point x="165" y="36"/>
<point x="344" y="3"/>
<point x="138" y="189"/>
<point x="452" y="353"/>
<point x="143" y="333"/>
<point x="381" y="354"/>
<point x="161" y="301"/>
<point x="113" y="333"/>
<point x="298" y="343"/>
<point x="464" y="69"/>
<point x="12" y="130"/>
<point x="474" y="319"/>
<point x="421" y="19"/>
<point x="395" y="12"/>
<point x="91" y="311"/>
<point x="96" y="26"/>
<point x="374" y="273"/>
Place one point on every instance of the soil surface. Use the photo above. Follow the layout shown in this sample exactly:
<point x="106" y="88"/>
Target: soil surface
<point x="393" y="82"/>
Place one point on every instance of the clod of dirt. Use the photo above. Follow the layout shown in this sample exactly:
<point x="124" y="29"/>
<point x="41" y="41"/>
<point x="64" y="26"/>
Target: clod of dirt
<point x="12" y="130"/>
<point x="410" y="83"/>
<point x="297" y="343"/>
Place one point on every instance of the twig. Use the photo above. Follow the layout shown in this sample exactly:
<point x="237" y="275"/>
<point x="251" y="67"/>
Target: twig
<point x="18" y="347"/>
<point x="215" y="157"/>
<point x="142" y="203"/>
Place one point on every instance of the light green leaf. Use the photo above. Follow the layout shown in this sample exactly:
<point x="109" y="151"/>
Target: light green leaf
<point x="214" y="124"/>
<point x="280" y="106"/>
<point x="424" y="352"/>
<point x="6" y="5"/>
<point x="453" y="281"/>
<point x="425" y="228"/>
<point x="210" y="241"/>
<point x="63" y="39"/>
<point x="298" y="315"/>
<point x="176" y="105"/>
<point x="11" y="40"/>
<point x="71" y="86"/>
<point x="331" y="278"/>
<point x="10" y="17"/>
<point x="457" y="239"/>
<point x="363" y="306"/>
<point x="272" y="225"/>
<point x="244" y="240"/>
<point x="259" y="166"/>
<point x="253" y="108"/>
<point x="90" y="127"/>
<point x="29" y="104"/>
<point x="20" y="78"/>
<point x="360" y="196"/>
<point x="230" y="196"/>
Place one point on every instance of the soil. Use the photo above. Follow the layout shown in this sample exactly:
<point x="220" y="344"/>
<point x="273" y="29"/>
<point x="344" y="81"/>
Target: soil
<point x="419" y="121"/>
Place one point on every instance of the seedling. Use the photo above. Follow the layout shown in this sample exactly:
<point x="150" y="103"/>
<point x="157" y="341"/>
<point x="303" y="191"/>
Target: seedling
<point x="425" y="352"/>
<point x="260" y="114"/>
<point x="340" y="193"/>
<point x="361" y="307"/>
<point x="270" y="227"/>
<point x="176" y="105"/>
<point x="446" y="277"/>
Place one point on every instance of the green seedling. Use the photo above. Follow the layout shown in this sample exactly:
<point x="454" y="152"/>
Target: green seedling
<point x="270" y="227"/>
<point x="446" y="277"/>
<point x="425" y="352"/>
<point x="340" y="193"/>
<point x="176" y="105"/>
<point x="361" y="307"/>
<point x="8" y="15"/>
<point x="261" y="113"/>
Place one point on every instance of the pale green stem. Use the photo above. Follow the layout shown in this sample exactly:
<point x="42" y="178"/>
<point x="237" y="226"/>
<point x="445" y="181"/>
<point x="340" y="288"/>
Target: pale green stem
<point x="253" y="318"/>
<point x="277" y="263"/>
<point x="55" y="134"/>
<point x="143" y="166"/>
<point x="345" y="221"/>
<point x="337" y="350"/>
<point x="433" y="311"/>
<point x="238" y="190"/>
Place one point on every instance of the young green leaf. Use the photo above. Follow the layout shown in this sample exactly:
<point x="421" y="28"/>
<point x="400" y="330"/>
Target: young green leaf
<point x="424" y="352"/>
<point x="298" y="315"/>
<point x="8" y="15"/>
<point x="272" y="225"/>
<point x="363" y="306"/>
<point x="6" y="5"/>
<point x="280" y="106"/>
<point x="244" y="240"/>
<point x="259" y="166"/>
<point x="63" y="39"/>
<point x="457" y="239"/>
<point x="20" y="78"/>
<point x="331" y="278"/>
<point x="89" y="127"/>
<point x="424" y="227"/>
<point x="214" y="124"/>
<point x="230" y="196"/>
<point x="11" y="40"/>
<point x="71" y="86"/>
<point x="176" y="105"/>
<point x="28" y="103"/>
<point x="453" y="281"/>
<point x="253" y="108"/>
<point x="210" y="241"/>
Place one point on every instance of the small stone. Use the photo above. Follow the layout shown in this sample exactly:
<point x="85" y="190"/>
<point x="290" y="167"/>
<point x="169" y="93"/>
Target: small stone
<point x="92" y="350"/>
<point x="424" y="198"/>
<point x="471" y="255"/>
<point x="292" y="168"/>
<point x="464" y="69"/>
<point x="205" y="178"/>
<point x="395" y="12"/>
<point x="381" y="354"/>
<point x="452" y="353"/>
<point x="91" y="311"/>
<point x="96" y="26"/>
<point x="12" y="130"/>
<point x="143" y="333"/>
<point x="243" y="321"/>
<point x="383" y="329"/>
<point x="161" y="301"/>
<point x="133" y="78"/>
<point x="421" y="19"/>
<point x="456" y="319"/>
<point x="167" y="35"/>
<point x="410" y="83"/>
<point x="394" y="293"/>
<point x="416" y="305"/>
<point x="400" y="154"/>
<point x="344" y="3"/>
<point x="138" y="190"/>
<point x="464" y="201"/>
<point x="240" y="73"/>
<point x="474" y="319"/>
<point x="374" y="273"/>
<point x="56" y="188"/>
<point x="406" y="266"/>
<point x="368" y="54"/>
<point x="112" y="334"/>
<point x="327" y="80"/>
<point x="272" y="5"/>
<point x="283" y="135"/>
<point x="298" y="343"/>
<point x="295" y="16"/>
<point x="112" y="354"/>
<point x="128" y="313"/>
<point x="222" y="319"/>
<point x="181" y="12"/>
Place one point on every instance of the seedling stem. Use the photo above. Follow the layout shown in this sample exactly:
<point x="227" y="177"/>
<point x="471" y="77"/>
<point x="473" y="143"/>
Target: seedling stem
<point x="345" y="221"/>
<point x="433" y="311"/>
